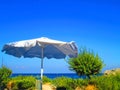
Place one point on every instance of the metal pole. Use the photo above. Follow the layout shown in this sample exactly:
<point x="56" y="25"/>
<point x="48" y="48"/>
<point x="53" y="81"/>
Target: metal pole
<point x="41" y="81"/>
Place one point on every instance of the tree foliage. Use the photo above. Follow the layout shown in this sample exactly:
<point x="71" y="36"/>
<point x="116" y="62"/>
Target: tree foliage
<point x="86" y="63"/>
<point x="4" y="75"/>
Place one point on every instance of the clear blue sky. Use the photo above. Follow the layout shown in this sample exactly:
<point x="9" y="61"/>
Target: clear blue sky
<point x="91" y="23"/>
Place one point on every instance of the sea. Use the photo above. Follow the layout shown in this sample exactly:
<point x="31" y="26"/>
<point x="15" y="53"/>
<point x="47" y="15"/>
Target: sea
<point x="49" y="75"/>
<point x="52" y="75"/>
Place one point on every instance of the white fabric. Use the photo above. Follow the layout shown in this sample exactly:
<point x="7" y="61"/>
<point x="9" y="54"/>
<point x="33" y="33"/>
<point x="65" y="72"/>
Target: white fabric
<point x="32" y="48"/>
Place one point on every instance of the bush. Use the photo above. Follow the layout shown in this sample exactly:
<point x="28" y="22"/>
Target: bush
<point x="62" y="82"/>
<point x="46" y="79"/>
<point x="23" y="83"/>
<point x="67" y="83"/>
<point x="86" y="63"/>
<point x="4" y="76"/>
<point x="111" y="82"/>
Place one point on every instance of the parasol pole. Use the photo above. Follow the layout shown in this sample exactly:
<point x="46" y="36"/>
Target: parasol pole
<point x="41" y="67"/>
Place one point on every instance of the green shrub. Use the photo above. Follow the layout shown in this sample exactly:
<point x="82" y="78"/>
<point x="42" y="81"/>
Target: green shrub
<point x="73" y="83"/>
<point x="23" y="83"/>
<point x="86" y="63"/>
<point x="4" y="76"/>
<point x="46" y="79"/>
<point x="62" y="82"/>
<point x="111" y="82"/>
<point x="81" y="82"/>
<point x="68" y="83"/>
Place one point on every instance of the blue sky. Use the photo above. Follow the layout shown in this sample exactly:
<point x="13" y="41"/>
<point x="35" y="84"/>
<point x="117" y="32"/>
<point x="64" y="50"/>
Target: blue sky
<point x="91" y="23"/>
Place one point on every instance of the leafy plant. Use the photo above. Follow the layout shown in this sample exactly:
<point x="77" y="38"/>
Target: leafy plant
<point x="86" y="63"/>
<point x="4" y="76"/>
<point x="63" y="83"/>
<point x="23" y="82"/>
<point x="108" y="82"/>
<point x="46" y="79"/>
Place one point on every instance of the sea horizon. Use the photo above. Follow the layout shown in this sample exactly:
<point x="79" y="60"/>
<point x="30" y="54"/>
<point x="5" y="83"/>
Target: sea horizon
<point x="51" y="75"/>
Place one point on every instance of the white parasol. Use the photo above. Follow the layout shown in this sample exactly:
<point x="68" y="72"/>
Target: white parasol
<point x="41" y="47"/>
